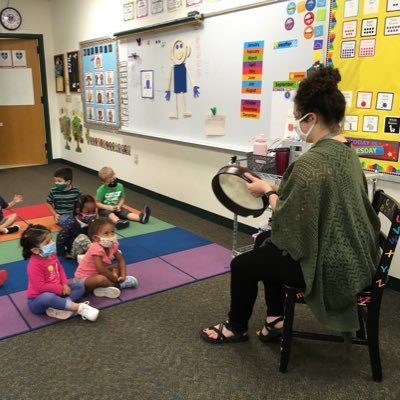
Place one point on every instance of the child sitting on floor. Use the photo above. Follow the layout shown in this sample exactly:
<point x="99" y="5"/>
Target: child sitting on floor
<point x="96" y="269"/>
<point x="48" y="289"/>
<point x="73" y="240"/>
<point x="110" y="198"/>
<point x="62" y="197"/>
<point x="6" y="223"/>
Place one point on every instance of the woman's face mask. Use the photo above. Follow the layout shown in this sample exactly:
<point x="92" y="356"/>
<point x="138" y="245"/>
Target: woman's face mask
<point x="303" y="135"/>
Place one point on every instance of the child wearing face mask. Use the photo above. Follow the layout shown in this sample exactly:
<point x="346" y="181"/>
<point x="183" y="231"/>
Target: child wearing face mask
<point x="63" y="196"/>
<point x="110" y="198"/>
<point x="96" y="270"/>
<point x="48" y="289"/>
<point x="72" y="240"/>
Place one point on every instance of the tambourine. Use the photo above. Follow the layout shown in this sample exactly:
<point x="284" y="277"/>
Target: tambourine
<point x="229" y="186"/>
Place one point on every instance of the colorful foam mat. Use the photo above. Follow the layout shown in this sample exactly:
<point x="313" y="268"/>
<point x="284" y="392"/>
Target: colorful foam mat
<point x="160" y="255"/>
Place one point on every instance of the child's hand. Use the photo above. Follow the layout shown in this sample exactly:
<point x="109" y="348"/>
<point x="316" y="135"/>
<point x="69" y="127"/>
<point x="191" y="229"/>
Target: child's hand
<point x="121" y="279"/>
<point x="18" y="198"/>
<point x="117" y="208"/>
<point x="66" y="290"/>
<point x="56" y="218"/>
<point x="111" y="208"/>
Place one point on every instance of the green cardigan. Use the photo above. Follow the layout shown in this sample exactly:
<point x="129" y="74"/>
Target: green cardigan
<point x="324" y="220"/>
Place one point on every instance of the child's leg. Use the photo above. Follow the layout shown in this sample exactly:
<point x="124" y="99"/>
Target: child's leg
<point x="102" y="286"/>
<point x="7" y="222"/>
<point x="46" y="300"/>
<point x="63" y="218"/>
<point x="77" y="290"/>
<point x="80" y="245"/>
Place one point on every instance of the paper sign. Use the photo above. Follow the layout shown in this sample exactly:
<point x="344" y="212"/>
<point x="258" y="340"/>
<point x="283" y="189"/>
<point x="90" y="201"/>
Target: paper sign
<point x="368" y="27"/>
<point x="349" y="29"/>
<point x="348" y="49"/>
<point x="215" y="125"/>
<point x="384" y="101"/>
<point x="348" y="96"/>
<point x="250" y="109"/>
<point x="371" y="6"/>
<point x="350" y="8"/>
<point x="367" y="48"/>
<point x="392" y="125"/>
<point x="350" y="123"/>
<point x="370" y="123"/>
<point x="5" y="58"/>
<point x="19" y="58"/>
<point x="393" y="5"/>
<point x="364" y="100"/>
<point x="392" y="26"/>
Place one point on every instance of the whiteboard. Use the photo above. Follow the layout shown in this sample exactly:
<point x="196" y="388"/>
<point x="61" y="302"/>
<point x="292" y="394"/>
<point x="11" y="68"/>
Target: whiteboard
<point x="16" y="87"/>
<point x="216" y="65"/>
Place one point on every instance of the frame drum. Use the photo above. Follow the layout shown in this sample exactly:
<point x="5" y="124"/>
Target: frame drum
<point x="229" y="186"/>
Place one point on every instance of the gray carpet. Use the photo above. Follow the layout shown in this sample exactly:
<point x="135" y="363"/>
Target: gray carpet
<point x="150" y="348"/>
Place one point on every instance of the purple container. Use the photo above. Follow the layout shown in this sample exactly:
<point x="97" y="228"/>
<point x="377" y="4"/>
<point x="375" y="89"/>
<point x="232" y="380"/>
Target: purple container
<point x="281" y="159"/>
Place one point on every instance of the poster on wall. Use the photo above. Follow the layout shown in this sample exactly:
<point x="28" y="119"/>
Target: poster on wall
<point x="73" y="71"/>
<point x="59" y="73"/>
<point x="372" y="100"/>
<point x="99" y="59"/>
<point x="128" y="11"/>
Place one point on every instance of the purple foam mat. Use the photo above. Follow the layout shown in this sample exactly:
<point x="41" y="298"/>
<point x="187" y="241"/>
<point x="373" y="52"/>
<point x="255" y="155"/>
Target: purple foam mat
<point x="202" y="262"/>
<point x="34" y="320"/>
<point x="12" y="322"/>
<point x="154" y="275"/>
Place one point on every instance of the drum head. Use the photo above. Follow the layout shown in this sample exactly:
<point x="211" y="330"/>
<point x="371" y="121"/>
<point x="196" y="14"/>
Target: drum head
<point x="229" y="186"/>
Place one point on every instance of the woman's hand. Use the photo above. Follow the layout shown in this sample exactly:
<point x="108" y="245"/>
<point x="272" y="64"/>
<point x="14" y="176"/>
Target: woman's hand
<point x="257" y="187"/>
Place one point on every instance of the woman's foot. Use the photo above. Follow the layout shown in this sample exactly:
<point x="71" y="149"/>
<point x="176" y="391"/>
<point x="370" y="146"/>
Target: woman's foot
<point x="272" y="329"/>
<point x="223" y="333"/>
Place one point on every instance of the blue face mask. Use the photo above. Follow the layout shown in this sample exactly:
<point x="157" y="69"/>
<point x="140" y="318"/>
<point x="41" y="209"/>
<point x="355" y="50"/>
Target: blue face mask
<point x="48" y="250"/>
<point x="87" y="218"/>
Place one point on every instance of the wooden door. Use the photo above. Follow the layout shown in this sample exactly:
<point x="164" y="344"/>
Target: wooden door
<point x="22" y="129"/>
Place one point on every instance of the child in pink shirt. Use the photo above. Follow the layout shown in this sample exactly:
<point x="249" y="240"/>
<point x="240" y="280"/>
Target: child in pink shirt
<point x="48" y="289"/>
<point x="96" y="269"/>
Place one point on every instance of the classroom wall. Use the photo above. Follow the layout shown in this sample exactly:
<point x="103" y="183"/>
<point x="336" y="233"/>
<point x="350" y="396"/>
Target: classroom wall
<point x="177" y="170"/>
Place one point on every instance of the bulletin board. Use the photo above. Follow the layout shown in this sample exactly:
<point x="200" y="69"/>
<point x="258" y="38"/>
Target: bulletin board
<point x="245" y="66"/>
<point x="364" y="43"/>
<point x="100" y="77"/>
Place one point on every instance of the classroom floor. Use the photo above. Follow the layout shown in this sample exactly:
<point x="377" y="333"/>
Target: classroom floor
<point x="150" y="348"/>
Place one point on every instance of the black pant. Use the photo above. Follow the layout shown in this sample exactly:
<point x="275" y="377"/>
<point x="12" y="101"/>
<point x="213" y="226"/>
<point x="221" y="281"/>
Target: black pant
<point x="266" y="264"/>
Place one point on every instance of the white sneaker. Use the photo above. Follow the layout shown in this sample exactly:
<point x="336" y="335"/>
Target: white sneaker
<point x="59" y="314"/>
<point x="110" y="292"/>
<point x="79" y="257"/>
<point x="88" y="312"/>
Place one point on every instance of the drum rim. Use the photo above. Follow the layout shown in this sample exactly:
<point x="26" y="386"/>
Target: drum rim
<point x="226" y="201"/>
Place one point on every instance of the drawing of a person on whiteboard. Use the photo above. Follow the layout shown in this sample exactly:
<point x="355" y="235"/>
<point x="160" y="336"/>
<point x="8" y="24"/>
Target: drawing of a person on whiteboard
<point x="179" y="52"/>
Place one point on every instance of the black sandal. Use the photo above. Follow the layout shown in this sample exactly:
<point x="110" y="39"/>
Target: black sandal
<point x="221" y="338"/>
<point x="273" y="333"/>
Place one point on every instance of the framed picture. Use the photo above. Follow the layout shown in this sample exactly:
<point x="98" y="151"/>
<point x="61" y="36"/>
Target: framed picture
<point x="147" y="84"/>
<point x="128" y="11"/>
<point x="59" y="69"/>
<point x="73" y="68"/>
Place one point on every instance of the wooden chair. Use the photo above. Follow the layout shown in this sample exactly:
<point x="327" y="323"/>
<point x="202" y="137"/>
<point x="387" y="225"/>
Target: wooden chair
<point x="368" y="301"/>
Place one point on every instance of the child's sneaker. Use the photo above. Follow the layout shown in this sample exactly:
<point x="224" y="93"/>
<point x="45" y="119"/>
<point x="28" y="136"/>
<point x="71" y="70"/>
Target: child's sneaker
<point x="12" y="229"/>
<point x="79" y="257"/>
<point x="59" y="314"/>
<point x="111" y="292"/>
<point x="122" y="224"/>
<point x="145" y="215"/>
<point x="88" y="312"/>
<point x="129" y="282"/>
<point x="3" y="276"/>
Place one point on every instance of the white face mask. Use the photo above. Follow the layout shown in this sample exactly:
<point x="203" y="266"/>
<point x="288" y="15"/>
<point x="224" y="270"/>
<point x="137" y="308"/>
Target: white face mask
<point x="107" y="242"/>
<point x="303" y="136"/>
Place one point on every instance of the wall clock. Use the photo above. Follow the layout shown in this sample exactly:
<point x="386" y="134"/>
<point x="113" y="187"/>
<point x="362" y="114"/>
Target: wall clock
<point x="10" y="18"/>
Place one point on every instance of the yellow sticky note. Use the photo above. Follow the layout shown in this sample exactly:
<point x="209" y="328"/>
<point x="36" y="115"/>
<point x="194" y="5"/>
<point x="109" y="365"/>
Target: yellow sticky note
<point x="321" y="14"/>
<point x="301" y="6"/>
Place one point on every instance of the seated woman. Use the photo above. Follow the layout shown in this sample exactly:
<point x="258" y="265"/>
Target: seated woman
<point x="324" y="230"/>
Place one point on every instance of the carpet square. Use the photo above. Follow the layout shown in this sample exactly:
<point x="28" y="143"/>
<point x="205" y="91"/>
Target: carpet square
<point x="201" y="262"/>
<point x="29" y="212"/>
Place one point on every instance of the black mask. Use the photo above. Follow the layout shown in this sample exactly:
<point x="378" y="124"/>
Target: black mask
<point x="113" y="183"/>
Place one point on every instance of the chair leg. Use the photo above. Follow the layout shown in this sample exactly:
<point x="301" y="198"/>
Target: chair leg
<point x="373" y="347"/>
<point x="287" y="331"/>
<point x="361" y="332"/>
